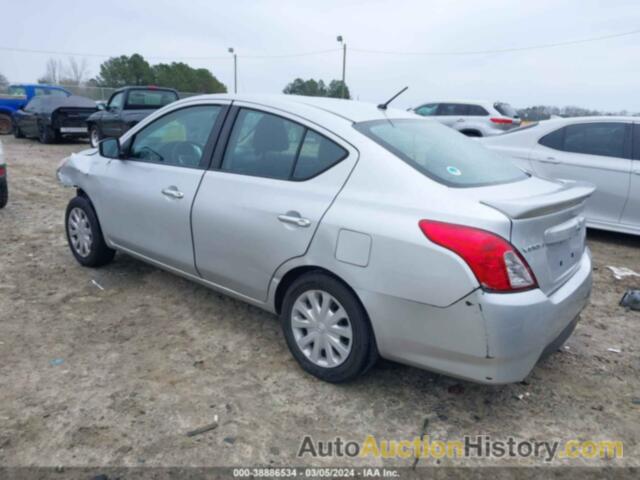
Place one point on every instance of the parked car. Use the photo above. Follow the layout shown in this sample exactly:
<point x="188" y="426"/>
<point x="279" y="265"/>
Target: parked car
<point x="473" y="118"/>
<point x="18" y="96"/>
<point x="52" y="117"/>
<point x="368" y="231"/>
<point x="125" y="108"/>
<point x="4" y="186"/>
<point x="604" y="151"/>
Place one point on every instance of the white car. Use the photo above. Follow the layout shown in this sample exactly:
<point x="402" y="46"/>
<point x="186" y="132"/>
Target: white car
<point x="604" y="151"/>
<point x="472" y="118"/>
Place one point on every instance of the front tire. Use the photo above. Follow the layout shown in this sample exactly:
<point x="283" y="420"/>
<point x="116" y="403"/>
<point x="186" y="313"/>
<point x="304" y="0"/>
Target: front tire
<point x="94" y="136"/>
<point x="4" y="192"/>
<point x="327" y="329"/>
<point x="84" y="234"/>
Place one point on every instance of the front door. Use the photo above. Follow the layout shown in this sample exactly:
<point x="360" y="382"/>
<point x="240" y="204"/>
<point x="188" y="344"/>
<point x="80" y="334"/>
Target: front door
<point x="262" y="203"/>
<point x="598" y="153"/>
<point x="110" y="119"/>
<point x="147" y="197"/>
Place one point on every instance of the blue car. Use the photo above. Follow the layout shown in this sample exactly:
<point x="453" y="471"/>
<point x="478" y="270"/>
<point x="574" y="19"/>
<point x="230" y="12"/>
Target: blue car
<point x="18" y="96"/>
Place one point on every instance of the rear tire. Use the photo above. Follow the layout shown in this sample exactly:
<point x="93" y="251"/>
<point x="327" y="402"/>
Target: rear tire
<point x="4" y="192"/>
<point x="348" y="353"/>
<point x="84" y="234"/>
<point x="6" y="124"/>
<point x="46" y="134"/>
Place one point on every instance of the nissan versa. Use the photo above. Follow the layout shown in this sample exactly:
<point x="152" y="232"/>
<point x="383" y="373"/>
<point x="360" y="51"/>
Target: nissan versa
<point x="369" y="231"/>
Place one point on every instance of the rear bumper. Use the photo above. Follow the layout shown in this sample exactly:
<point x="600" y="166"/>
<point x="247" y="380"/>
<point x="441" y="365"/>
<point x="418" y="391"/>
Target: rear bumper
<point x="484" y="337"/>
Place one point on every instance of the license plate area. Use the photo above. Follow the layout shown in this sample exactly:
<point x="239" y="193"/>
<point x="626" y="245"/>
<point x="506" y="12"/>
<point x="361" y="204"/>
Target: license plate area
<point x="565" y="245"/>
<point x="73" y="129"/>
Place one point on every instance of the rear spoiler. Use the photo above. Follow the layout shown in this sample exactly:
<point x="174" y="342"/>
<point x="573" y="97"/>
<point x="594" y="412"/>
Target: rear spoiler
<point x="569" y="194"/>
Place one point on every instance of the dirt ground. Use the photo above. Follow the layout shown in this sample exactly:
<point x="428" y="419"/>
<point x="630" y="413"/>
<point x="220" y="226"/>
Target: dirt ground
<point x="116" y="376"/>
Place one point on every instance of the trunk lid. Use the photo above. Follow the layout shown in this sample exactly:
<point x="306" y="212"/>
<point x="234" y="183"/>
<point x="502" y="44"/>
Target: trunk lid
<point x="73" y="116"/>
<point x="548" y="226"/>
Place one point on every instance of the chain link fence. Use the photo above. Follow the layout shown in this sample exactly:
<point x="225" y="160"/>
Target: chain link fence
<point x="98" y="93"/>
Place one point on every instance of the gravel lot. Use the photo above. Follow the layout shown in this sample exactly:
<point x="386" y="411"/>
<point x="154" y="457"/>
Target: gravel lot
<point x="117" y="376"/>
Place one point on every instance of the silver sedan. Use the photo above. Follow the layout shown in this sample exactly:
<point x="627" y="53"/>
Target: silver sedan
<point x="371" y="232"/>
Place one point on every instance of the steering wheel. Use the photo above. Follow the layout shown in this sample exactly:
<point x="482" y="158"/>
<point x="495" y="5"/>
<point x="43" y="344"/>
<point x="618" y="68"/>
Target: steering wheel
<point x="184" y="153"/>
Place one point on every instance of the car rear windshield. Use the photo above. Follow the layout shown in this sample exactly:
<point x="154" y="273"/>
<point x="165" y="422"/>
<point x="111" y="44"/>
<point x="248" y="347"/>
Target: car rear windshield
<point x="150" y="98"/>
<point x="505" y="109"/>
<point x="441" y="153"/>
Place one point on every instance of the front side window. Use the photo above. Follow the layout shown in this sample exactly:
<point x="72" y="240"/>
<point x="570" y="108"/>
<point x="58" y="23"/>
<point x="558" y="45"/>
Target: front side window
<point x="117" y="101"/>
<point x="266" y="145"/>
<point x="57" y="93"/>
<point x="38" y="92"/>
<point x="427" y="110"/>
<point x="636" y="141"/>
<point x="441" y="153"/>
<point x="446" y="109"/>
<point x="178" y="138"/>
<point x="141" y="99"/>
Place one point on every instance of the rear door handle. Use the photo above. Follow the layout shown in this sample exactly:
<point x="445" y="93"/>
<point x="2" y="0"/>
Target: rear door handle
<point x="294" y="220"/>
<point x="172" y="192"/>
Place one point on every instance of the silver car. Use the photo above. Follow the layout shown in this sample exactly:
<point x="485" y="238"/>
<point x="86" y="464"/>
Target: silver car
<point x="473" y="118"/>
<point x="604" y="151"/>
<point x="371" y="232"/>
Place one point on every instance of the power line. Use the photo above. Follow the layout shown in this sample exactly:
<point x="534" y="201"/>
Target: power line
<point x="501" y="50"/>
<point x="322" y="52"/>
<point x="102" y="55"/>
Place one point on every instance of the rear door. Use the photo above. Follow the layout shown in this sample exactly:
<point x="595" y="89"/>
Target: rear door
<point x="145" y="199"/>
<point x="28" y="119"/>
<point x="452" y="114"/>
<point x="261" y="203"/>
<point x="631" y="212"/>
<point x="594" y="152"/>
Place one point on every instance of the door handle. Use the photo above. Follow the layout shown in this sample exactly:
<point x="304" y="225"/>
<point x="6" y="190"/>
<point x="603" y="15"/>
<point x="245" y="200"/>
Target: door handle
<point x="551" y="160"/>
<point x="460" y="120"/>
<point x="172" y="192"/>
<point x="295" y="220"/>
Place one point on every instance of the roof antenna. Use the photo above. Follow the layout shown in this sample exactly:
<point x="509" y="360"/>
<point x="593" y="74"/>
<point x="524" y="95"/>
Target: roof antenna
<point x="383" y="106"/>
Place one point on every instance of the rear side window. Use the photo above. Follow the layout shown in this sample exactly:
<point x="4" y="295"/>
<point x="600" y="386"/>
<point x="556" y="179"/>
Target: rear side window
<point x="607" y="139"/>
<point x="636" y="141"/>
<point x="317" y="155"/>
<point x="477" y="111"/>
<point x="427" y="110"/>
<point x="266" y="145"/>
<point x="452" y="109"/>
<point x="441" y="153"/>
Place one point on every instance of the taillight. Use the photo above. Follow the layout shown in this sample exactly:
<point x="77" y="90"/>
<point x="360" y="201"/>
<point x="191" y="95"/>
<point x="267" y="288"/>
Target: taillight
<point x="502" y="121"/>
<point x="496" y="263"/>
<point x="3" y="170"/>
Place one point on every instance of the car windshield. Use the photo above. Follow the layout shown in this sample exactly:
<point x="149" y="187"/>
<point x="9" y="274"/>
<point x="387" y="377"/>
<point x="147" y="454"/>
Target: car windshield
<point x="441" y="153"/>
<point x="506" y="109"/>
<point x="150" y="98"/>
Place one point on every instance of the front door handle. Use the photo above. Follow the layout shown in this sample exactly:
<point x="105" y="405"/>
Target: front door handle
<point x="551" y="160"/>
<point x="172" y="192"/>
<point x="294" y="220"/>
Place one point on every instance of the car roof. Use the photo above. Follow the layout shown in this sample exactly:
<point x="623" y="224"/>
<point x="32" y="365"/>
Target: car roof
<point x="595" y="118"/>
<point x="39" y="85"/>
<point x="471" y="102"/>
<point x="349" y="110"/>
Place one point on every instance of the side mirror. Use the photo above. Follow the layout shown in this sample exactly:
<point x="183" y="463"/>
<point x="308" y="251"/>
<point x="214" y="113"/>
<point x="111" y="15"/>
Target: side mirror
<point x="101" y="105"/>
<point x="110" y="148"/>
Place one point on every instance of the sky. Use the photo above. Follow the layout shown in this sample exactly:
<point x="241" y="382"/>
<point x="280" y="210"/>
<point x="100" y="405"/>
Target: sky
<point x="599" y="75"/>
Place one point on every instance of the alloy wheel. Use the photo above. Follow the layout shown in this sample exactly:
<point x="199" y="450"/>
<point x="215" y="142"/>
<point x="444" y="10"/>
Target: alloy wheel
<point x="80" y="233"/>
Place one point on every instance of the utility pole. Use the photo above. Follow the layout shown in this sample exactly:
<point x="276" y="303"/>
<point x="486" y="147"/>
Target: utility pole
<point x="235" y="70"/>
<point x="344" y="65"/>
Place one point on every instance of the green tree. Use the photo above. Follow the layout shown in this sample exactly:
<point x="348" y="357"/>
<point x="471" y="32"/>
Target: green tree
<point x="313" y="88"/>
<point x="184" y="78"/>
<point x="121" y="71"/>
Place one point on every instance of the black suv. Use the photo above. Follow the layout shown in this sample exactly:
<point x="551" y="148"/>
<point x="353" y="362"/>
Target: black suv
<point x="126" y="107"/>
